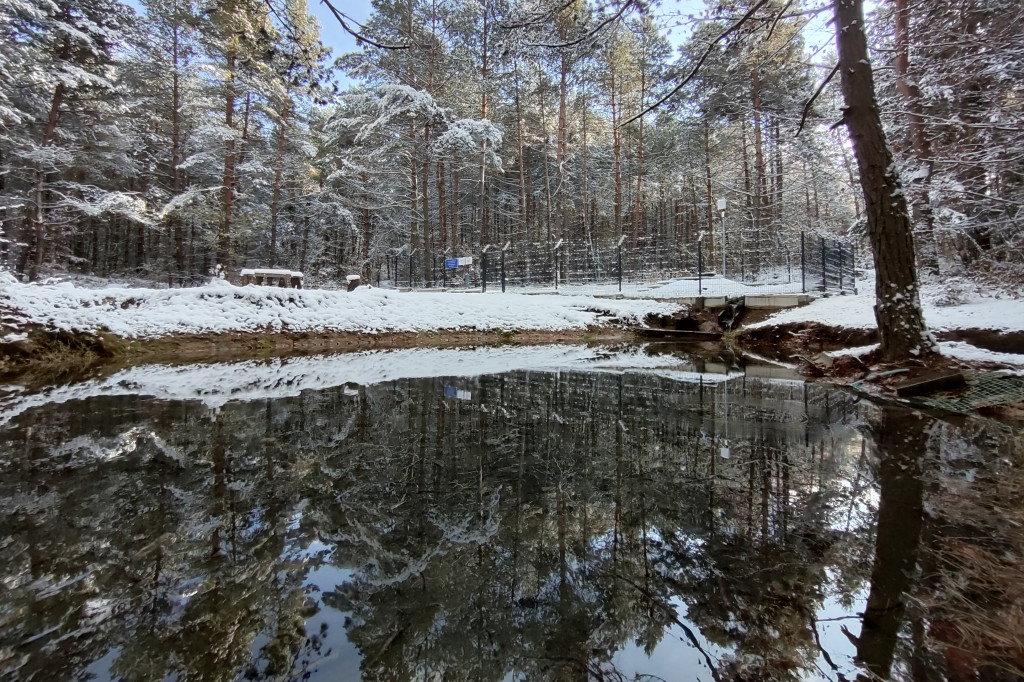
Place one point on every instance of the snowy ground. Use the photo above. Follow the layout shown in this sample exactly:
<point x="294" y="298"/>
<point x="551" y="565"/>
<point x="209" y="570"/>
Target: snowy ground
<point x="978" y="310"/>
<point x="150" y="313"/>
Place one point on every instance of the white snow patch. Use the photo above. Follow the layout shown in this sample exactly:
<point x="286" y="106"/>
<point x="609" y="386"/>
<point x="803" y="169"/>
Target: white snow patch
<point x="857" y="311"/>
<point x="221" y="307"/>
<point x="216" y="384"/>
<point x="965" y="351"/>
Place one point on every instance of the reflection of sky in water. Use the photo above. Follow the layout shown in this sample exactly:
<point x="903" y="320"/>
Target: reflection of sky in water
<point x="342" y="663"/>
<point x="655" y="437"/>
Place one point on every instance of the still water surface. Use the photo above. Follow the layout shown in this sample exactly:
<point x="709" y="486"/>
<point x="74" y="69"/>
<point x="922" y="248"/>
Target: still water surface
<point x="510" y="514"/>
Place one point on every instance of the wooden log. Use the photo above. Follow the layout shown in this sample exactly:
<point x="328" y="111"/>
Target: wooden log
<point x="931" y="383"/>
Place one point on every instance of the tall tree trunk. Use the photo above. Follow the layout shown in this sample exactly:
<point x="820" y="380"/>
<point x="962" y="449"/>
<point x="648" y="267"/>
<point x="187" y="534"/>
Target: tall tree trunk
<point x="442" y="211"/>
<point x="638" y="229"/>
<point x="561" y="142"/>
<point x="922" y="180"/>
<point x="760" y="183"/>
<point x="37" y="215"/>
<point x="366" y="226"/>
<point x="414" y="199"/>
<point x="228" y="191"/>
<point x="484" y="237"/>
<point x="617" y="150"/>
<point x="901" y="327"/>
<point x="428" y="255"/>
<point x="456" y="198"/>
<point x="519" y="151"/>
<point x="275" y="202"/>
<point x="178" y="184"/>
<point x="588" y="232"/>
<point x="709" y="252"/>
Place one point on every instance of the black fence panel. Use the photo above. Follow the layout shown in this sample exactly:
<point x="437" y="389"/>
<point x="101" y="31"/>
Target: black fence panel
<point x="648" y="267"/>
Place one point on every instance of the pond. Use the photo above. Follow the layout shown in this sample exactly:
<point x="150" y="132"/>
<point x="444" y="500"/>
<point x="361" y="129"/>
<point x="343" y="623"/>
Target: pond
<point x="551" y="513"/>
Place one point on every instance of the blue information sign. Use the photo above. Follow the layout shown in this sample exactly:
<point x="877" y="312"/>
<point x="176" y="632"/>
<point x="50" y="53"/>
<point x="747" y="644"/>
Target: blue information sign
<point x="451" y="263"/>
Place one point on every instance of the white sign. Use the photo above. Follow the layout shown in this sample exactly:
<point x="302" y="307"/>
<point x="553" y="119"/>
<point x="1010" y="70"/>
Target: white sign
<point x="466" y="260"/>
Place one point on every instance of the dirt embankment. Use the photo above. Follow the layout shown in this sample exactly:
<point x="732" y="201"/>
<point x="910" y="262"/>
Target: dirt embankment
<point x="44" y="356"/>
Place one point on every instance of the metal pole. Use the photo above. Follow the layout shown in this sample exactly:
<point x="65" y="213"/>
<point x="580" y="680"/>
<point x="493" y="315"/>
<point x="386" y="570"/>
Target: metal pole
<point x="483" y="272"/>
<point x="700" y="267"/>
<point x="556" y="269"/>
<point x="410" y="271"/>
<point x="853" y="268"/>
<point x="503" y="271"/>
<point x="840" y="267"/>
<point x="444" y="272"/>
<point x="723" y="244"/>
<point x="823" y="272"/>
<point x="620" y="266"/>
<point x="803" y="266"/>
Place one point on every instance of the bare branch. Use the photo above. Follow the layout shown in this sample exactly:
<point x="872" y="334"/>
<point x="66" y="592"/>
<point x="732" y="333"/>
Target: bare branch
<point x="807" y="106"/>
<point x="589" y="34"/>
<point x="700" y="62"/>
<point x="358" y="36"/>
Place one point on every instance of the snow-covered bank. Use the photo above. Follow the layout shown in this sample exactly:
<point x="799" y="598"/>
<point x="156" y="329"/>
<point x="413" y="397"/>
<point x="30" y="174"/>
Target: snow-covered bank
<point x="215" y="384"/>
<point x="223" y="308"/>
<point x="957" y="350"/>
<point x="857" y="312"/>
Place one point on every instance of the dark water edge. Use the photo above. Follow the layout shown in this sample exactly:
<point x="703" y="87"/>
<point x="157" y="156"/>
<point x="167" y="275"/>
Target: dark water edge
<point x="626" y="518"/>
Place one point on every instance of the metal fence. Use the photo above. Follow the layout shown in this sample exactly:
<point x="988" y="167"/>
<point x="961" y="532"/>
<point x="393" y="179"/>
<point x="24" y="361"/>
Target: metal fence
<point x="646" y="268"/>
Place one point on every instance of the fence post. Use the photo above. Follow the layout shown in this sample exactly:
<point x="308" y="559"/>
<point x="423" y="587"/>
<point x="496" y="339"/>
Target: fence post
<point x="824" y="282"/>
<point x="410" y="271"/>
<point x="803" y="266"/>
<point x="503" y="271"/>
<point x="853" y="268"/>
<point x="840" y="267"/>
<point x="619" y="249"/>
<point x="483" y="272"/>
<point x="557" y="247"/>
<point x="444" y="273"/>
<point x="700" y="268"/>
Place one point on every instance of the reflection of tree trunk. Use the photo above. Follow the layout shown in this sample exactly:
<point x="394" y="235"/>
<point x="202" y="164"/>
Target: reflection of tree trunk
<point x="901" y="438"/>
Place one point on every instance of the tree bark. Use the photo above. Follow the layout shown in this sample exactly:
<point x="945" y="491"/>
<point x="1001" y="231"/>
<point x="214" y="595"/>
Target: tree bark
<point x="227" y="193"/>
<point x="177" y="184"/>
<point x="709" y="253"/>
<point x="275" y="202"/>
<point x="617" y="148"/>
<point x="638" y="229"/>
<point x="901" y="327"/>
<point x="922" y="180"/>
<point x="366" y="225"/>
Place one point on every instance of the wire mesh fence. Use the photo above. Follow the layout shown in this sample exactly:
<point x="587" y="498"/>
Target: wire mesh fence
<point x="643" y="268"/>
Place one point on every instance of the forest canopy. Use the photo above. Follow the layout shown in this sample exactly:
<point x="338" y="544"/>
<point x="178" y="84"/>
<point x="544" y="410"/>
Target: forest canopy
<point x="180" y="135"/>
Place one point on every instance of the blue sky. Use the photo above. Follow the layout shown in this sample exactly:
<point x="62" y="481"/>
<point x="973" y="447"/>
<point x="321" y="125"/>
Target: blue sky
<point x="331" y="33"/>
<point x="669" y="13"/>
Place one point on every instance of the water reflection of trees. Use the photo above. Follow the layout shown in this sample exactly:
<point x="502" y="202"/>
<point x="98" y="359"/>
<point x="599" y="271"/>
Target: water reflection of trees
<point x="534" y="530"/>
